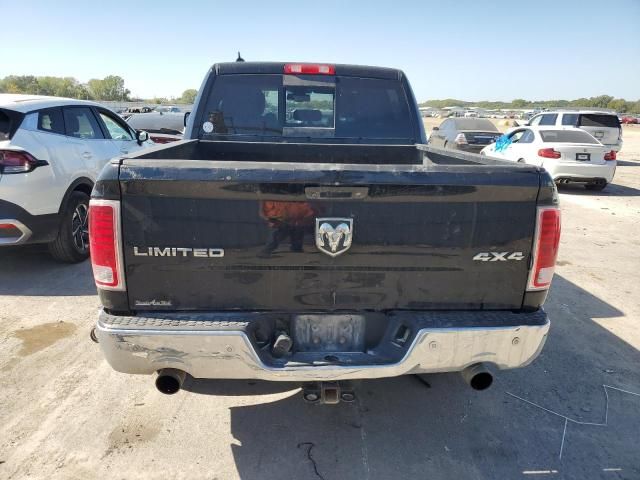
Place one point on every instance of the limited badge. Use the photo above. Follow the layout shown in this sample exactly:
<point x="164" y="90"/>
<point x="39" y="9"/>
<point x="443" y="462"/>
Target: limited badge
<point x="207" y="127"/>
<point x="334" y="235"/>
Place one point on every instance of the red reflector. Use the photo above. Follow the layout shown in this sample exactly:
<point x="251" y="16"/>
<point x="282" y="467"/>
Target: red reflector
<point x="309" y="69"/>
<point x="548" y="153"/>
<point x="545" y="248"/>
<point x="12" y="161"/>
<point x="8" y="230"/>
<point x="610" y="155"/>
<point x="104" y="244"/>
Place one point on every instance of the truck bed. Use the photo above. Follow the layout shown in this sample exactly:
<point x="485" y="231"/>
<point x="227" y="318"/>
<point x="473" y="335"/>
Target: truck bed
<point x="316" y="152"/>
<point x="287" y="152"/>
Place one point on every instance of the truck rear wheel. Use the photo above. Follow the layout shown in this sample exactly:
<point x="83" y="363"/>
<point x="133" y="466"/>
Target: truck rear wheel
<point x="72" y="242"/>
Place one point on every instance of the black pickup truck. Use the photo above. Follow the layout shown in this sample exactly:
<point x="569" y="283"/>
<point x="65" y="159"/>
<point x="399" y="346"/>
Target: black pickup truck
<point x="303" y="231"/>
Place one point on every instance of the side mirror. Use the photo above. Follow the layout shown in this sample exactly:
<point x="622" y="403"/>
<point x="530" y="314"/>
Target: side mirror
<point x="435" y="129"/>
<point x="141" y="136"/>
<point x="186" y="117"/>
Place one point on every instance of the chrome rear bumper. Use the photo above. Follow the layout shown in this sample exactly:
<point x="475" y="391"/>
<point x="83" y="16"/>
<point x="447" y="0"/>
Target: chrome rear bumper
<point x="214" y="346"/>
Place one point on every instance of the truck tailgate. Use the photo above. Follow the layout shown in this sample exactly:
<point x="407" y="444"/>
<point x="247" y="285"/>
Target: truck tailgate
<point x="205" y="235"/>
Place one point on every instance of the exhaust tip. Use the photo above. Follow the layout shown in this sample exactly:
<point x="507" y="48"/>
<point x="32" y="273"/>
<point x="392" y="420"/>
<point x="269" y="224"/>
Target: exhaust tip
<point x="481" y="381"/>
<point x="170" y="380"/>
<point x="478" y="377"/>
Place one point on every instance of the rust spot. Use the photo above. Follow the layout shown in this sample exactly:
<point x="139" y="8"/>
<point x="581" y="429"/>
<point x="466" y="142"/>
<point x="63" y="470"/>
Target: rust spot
<point x="42" y="336"/>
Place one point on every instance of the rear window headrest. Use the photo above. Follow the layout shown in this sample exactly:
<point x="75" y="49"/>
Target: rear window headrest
<point x="307" y="115"/>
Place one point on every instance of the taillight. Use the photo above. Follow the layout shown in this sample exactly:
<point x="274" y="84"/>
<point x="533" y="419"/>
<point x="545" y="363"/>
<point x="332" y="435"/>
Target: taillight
<point x="309" y="69"/>
<point x="545" y="248"/>
<point x="16" y="161"/>
<point x="461" y="139"/>
<point x="548" y="153"/>
<point x="610" y="155"/>
<point x="104" y="244"/>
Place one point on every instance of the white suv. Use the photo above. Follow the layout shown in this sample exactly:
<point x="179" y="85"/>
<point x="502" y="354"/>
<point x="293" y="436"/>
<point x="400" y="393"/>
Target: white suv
<point x="602" y="125"/>
<point x="51" y="152"/>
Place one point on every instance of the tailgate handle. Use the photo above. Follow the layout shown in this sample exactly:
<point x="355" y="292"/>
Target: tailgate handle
<point x="336" y="193"/>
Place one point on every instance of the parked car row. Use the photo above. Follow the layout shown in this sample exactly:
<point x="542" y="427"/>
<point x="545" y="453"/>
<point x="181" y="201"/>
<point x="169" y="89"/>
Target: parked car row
<point x="573" y="146"/>
<point x="126" y="112"/>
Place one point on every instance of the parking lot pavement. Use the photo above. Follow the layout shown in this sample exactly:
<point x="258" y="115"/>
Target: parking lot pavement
<point x="66" y="414"/>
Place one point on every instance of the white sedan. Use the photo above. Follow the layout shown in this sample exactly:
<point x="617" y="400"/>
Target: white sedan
<point x="570" y="155"/>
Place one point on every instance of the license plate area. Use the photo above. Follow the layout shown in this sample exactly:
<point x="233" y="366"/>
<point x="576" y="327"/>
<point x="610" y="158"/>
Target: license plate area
<point x="598" y="134"/>
<point x="583" y="157"/>
<point x="328" y="333"/>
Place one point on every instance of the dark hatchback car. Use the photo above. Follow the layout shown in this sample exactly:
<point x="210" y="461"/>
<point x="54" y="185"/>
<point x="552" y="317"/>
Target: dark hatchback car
<point x="466" y="134"/>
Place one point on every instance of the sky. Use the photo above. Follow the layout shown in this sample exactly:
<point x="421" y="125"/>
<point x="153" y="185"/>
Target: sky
<point x="463" y="49"/>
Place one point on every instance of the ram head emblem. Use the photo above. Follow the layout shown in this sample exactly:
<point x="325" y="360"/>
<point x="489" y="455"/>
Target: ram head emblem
<point x="334" y="235"/>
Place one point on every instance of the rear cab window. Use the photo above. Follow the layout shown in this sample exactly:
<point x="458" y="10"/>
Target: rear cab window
<point x="311" y="106"/>
<point x="237" y="105"/>
<point x="567" y="136"/>
<point x="372" y="108"/>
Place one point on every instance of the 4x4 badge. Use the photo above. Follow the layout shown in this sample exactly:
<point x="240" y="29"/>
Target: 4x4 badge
<point x="334" y="235"/>
<point x="498" y="256"/>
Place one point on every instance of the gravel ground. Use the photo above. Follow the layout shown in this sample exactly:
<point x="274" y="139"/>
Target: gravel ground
<point x="66" y="414"/>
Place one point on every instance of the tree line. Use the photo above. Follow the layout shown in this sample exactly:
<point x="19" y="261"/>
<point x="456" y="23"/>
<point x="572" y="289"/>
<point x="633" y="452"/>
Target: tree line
<point x="112" y="88"/>
<point x="620" y="105"/>
<point x="109" y="88"/>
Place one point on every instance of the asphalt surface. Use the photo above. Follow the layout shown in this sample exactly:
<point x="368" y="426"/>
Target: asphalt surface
<point x="65" y="414"/>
